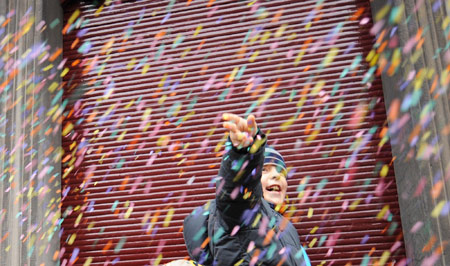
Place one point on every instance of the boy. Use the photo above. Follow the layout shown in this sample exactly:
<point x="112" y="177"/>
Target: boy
<point x="241" y="226"/>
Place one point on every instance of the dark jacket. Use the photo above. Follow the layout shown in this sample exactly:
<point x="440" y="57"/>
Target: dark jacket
<point x="239" y="225"/>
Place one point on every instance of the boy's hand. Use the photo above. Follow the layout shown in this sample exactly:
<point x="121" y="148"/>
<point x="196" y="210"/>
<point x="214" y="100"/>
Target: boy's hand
<point x="242" y="132"/>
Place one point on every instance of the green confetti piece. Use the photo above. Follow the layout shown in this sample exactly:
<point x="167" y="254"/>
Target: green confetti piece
<point x="392" y="228"/>
<point x="246" y="36"/>
<point x="223" y="94"/>
<point x="120" y="245"/>
<point x="120" y="163"/>
<point x="344" y="73"/>
<point x="218" y="234"/>
<point x="179" y="39"/>
<point x="113" y="207"/>
<point x="159" y="52"/>
<point x="54" y="23"/>
<point x="321" y="184"/>
<point x="85" y="47"/>
<point x="365" y="260"/>
<point x="369" y="74"/>
<point x="302" y="186"/>
<point x="57" y="97"/>
<point x="174" y="109"/>
<point x="356" y="62"/>
<point x="199" y="233"/>
<point x="322" y="240"/>
<point x="250" y="109"/>
<point x="335" y="88"/>
<point x="271" y="250"/>
<point x="192" y="103"/>
<point x="240" y="72"/>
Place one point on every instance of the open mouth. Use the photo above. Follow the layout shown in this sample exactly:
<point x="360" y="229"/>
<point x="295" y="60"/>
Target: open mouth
<point x="273" y="188"/>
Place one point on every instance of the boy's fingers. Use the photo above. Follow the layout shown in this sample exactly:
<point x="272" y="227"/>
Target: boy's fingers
<point x="230" y="126"/>
<point x="251" y="122"/>
<point x="231" y="117"/>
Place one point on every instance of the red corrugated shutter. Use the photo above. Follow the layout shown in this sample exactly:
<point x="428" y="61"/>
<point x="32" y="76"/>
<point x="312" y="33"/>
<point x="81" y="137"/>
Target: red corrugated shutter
<point x="147" y="85"/>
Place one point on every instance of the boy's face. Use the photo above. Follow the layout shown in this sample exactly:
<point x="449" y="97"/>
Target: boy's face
<point x="274" y="184"/>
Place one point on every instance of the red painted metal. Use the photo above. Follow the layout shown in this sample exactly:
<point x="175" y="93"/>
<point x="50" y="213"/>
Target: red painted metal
<point x="127" y="171"/>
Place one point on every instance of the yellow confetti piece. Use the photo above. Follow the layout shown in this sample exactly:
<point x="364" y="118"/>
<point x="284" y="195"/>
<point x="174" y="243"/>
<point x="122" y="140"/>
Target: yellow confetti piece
<point x="308" y="26"/>
<point x="313" y="135"/>
<point x="252" y="40"/>
<point x="64" y="72"/>
<point x="310" y="212"/>
<point x="129" y="104"/>
<point x="280" y="30"/>
<point x="384" y="258"/>
<point x="338" y="108"/>
<point x="168" y="217"/>
<point x="354" y="204"/>
<point x="145" y="69"/>
<point x="330" y="57"/>
<point x="51" y="111"/>
<point x="106" y="48"/>
<point x="253" y="57"/>
<point x="314" y="229"/>
<point x="266" y="95"/>
<point x="27" y="27"/>
<point x="161" y="83"/>
<point x="72" y="239"/>
<point x="74" y="16"/>
<point x="77" y="221"/>
<point x="263" y="15"/>
<point x="233" y="74"/>
<point x="292" y="36"/>
<point x="339" y="196"/>
<point x="146" y="114"/>
<point x="121" y="136"/>
<point x="162" y="99"/>
<point x="287" y="124"/>
<point x="48" y="67"/>
<point x="131" y="64"/>
<point x="383" y="12"/>
<point x="318" y="87"/>
<point x="437" y="210"/>
<point x="198" y="29"/>
<point x="53" y="87"/>
<point x="128" y="212"/>
<point x="88" y="261"/>
<point x="301" y="101"/>
<point x="383" y="212"/>
<point x="158" y="259"/>
<point x="163" y="140"/>
<point x="265" y="37"/>
<point x="384" y="170"/>
<point x="186" y="51"/>
<point x="311" y="244"/>
<point x="91" y="225"/>
<point x="67" y="129"/>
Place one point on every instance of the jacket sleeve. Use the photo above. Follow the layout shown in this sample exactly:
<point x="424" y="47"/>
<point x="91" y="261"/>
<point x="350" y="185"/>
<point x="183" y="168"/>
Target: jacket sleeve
<point x="239" y="191"/>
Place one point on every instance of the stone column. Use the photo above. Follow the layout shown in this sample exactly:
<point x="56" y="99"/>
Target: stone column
<point x="416" y="91"/>
<point x="30" y="131"/>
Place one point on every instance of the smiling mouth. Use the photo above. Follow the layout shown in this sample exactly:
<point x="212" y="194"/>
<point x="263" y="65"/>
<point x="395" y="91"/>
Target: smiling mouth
<point x="274" y="188"/>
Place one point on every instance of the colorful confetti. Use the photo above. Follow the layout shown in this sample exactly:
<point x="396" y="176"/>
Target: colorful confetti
<point x="356" y="103"/>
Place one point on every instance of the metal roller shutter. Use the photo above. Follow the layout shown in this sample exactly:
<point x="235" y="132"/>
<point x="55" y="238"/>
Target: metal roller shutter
<point x="146" y="85"/>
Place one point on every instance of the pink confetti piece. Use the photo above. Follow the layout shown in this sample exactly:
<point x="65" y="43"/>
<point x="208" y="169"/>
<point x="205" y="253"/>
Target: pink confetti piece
<point x="416" y="227"/>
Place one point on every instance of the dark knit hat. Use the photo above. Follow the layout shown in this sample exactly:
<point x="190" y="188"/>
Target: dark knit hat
<point x="271" y="156"/>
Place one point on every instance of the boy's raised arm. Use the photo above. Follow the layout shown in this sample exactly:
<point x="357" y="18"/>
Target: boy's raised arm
<point x="240" y="190"/>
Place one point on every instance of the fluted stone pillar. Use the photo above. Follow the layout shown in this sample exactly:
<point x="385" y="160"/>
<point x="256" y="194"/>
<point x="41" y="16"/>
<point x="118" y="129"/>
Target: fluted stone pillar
<point x="30" y="131"/>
